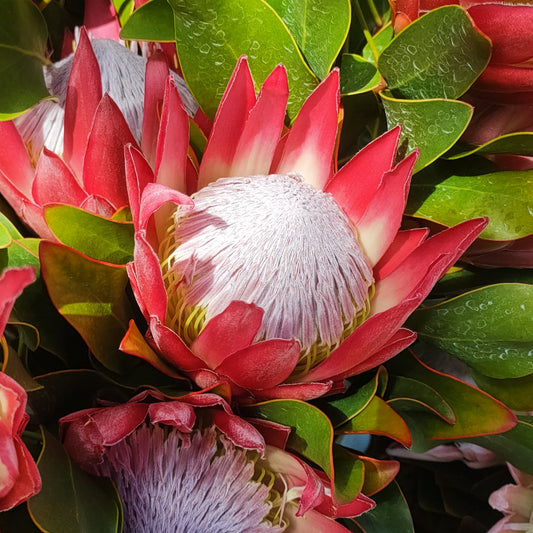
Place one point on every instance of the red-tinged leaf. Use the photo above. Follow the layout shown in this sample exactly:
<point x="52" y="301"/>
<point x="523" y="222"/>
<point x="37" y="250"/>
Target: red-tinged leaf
<point x="341" y="410"/>
<point x="91" y="295"/>
<point x="238" y="100"/>
<point x="230" y="331"/>
<point x="356" y="182"/>
<point x="408" y="394"/>
<point x="378" y="474"/>
<point x="84" y="92"/>
<point x="378" y="418"/>
<point x="103" y="165"/>
<point x="349" y="475"/>
<point x="69" y="496"/>
<point x="311" y="140"/>
<point x="476" y="413"/>
<point x="134" y="343"/>
<point x="515" y="392"/>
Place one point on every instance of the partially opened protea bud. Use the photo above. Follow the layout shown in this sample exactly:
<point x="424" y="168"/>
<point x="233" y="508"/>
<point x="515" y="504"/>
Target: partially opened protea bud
<point x="192" y="465"/>
<point x="282" y="276"/>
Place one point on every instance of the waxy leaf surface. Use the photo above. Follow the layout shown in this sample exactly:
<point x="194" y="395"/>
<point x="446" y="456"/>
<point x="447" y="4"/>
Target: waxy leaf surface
<point x="211" y="35"/>
<point x="432" y="126"/>
<point x="357" y="75"/>
<point x="490" y="329"/>
<point x="153" y="21"/>
<point x="23" y="37"/>
<point x="439" y="55"/>
<point x="310" y="23"/>
<point x="505" y="197"/>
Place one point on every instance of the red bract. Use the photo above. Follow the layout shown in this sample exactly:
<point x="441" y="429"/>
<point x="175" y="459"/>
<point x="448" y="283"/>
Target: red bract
<point x="181" y="439"/>
<point x="503" y="93"/>
<point x="19" y="477"/>
<point x="236" y="344"/>
<point x="91" y="173"/>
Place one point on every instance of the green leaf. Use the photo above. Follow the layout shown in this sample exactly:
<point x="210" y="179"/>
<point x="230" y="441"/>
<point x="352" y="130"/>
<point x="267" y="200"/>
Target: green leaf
<point x="211" y="35"/>
<point x="379" y="41"/>
<point x="124" y="9"/>
<point x="71" y="500"/>
<point x="439" y="55"/>
<point x="349" y="474"/>
<point x="514" y="446"/>
<point x="512" y="143"/>
<point x="476" y="413"/>
<point x="23" y="37"/>
<point x="505" y="197"/>
<point x="432" y="126"/>
<point x="153" y="21"/>
<point x="5" y="236"/>
<point x="10" y="227"/>
<point x="310" y="23"/>
<point x="357" y="75"/>
<point x="515" y="393"/>
<point x="378" y="418"/>
<point x="91" y="295"/>
<point x="92" y="235"/>
<point x="33" y="306"/>
<point x="347" y="406"/>
<point x="390" y="514"/>
<point x="490" y="329"/>
<point x="408" y="394"/>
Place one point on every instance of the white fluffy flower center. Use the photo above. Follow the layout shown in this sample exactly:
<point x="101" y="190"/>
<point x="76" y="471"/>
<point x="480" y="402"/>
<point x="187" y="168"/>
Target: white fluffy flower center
<point x="274" y="241"/>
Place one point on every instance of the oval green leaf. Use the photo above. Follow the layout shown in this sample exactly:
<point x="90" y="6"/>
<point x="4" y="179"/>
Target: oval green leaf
<point x="439" y="55"/>
<point x="490" y="329"/>
<point x="23" y="37"/>
<point x="515" y="393"/>
<point x="91" y="295"/>
<point x="432" y="126"/>
<point x="211" y="35"/>
<point x="92" y="235"/>
<point x="310" y="23"/>
<point x="70" y="499"/>
<point x="357" y="75"/>
<point x="513" y="143"/>
<point x="153" y="21"/>
<point x="505" y="197"/>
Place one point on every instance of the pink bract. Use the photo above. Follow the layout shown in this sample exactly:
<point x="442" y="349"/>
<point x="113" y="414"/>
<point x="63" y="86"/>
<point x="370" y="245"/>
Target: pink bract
<point x="371" y="189"/>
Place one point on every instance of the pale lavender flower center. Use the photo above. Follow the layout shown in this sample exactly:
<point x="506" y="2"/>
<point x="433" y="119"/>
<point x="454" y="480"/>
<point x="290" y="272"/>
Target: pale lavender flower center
<point x="274" y="241"/>
<point x="171" y="483"/>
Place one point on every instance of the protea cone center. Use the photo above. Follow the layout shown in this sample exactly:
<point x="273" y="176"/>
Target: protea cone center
<point x="275" y="241"/>
<point x="188" y="483"/>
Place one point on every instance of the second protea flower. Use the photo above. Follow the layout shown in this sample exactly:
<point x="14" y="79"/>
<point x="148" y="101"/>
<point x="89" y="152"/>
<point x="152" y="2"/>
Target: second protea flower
<point x="282" y="276"/>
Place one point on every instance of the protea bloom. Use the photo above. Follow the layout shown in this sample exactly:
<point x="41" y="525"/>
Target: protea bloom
<point x="281" y="276"/>
<point x="19" y="477"/>
<point x="71" y="151"/>
<point x="192" y="465"/>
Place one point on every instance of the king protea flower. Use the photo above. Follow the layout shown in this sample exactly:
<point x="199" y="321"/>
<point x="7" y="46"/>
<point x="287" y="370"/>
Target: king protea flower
<point x="280" y="275"/>
<point x="192" y="465"/>
<point x="71" y="150"/>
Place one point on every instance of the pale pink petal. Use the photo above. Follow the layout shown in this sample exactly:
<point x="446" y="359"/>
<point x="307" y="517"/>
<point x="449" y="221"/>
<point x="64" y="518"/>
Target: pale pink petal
<point x="311" y="140"/>
<point x="228" y="332"/>
<point x="379" y="224"/>
<point x="173" y="141"/>
<point x="356" y="182"/>
<point x="402" y="245"/>
<point x="414" y="273"/>
<point x="262" y="131"/>
<point x="84" y="92"/>
<point x="262" y="365"/>
<point x="229" y="123"/>
<point x="104" y="172"/>
<point x="154" y="91"/>
<point x="313" y="522"/>
<point x="55" y="183"/>
<point x="15" y="165"/>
